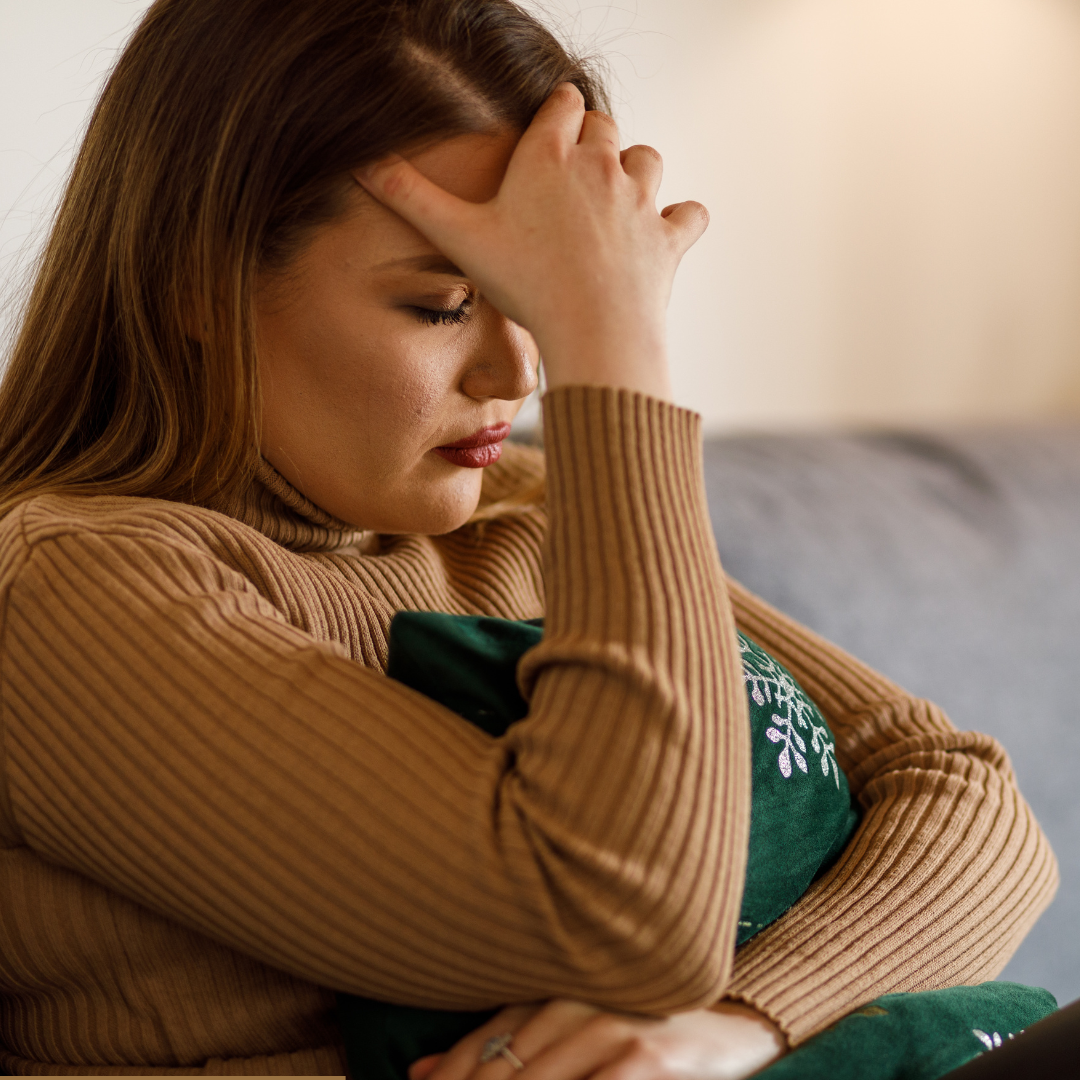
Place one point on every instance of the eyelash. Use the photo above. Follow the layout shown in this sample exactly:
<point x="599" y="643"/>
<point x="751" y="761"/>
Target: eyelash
<point x="442" y="317"/>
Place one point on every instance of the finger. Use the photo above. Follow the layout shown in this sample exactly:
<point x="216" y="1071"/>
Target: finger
<point x="556" y="1021"/>
<point x="463" y="1059"/>
<point x="599" y="129"/>
<point x="399" y="185"/>
<point x="559" y="118"/>
<point x="422" y="1068"/>
<point x="594" y="1045"/>
<point x="644" y="165"/>
<point x="689" y="220"/>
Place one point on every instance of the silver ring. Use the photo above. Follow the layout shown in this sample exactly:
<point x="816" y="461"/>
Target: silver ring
<point x="499" y="1046"/>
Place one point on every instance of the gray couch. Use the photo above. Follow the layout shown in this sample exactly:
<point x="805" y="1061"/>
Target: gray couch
<point x="950" y="562"/>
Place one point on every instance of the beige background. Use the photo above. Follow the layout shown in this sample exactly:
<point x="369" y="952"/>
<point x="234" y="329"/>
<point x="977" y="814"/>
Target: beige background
<point x="894" y="184"/>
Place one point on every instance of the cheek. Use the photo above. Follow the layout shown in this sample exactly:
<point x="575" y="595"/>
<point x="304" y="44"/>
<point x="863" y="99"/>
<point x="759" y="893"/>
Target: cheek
<point x="357" y="376"/>
<point x="398" y="390"/>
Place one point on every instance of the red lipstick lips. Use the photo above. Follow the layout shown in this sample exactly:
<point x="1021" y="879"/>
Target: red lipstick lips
<point x="476" y="451"/>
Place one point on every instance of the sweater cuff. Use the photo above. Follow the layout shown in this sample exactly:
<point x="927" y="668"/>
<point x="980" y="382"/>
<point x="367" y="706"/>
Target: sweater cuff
<point x="798" y="1007"/>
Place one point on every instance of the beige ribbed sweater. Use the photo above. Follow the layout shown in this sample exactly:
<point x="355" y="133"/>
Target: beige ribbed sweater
<point x="216" y="810"/>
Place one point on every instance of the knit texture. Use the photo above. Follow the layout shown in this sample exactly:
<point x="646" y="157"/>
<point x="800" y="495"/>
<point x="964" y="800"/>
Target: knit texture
<point x="216" y="810"/>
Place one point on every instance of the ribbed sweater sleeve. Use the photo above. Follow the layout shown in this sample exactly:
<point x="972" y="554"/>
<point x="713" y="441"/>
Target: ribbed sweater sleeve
<point x="945" y="875"/>
<point x="170" y="735"/>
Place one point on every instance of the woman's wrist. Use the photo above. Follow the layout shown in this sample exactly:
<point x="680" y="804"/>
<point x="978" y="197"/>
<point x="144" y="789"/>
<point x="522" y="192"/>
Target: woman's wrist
<point x="766" y="1036"/>
<point x="633" y="359"/>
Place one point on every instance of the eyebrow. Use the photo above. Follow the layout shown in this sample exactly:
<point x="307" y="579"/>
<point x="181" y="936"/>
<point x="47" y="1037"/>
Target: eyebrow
<point x="430" y="264"/>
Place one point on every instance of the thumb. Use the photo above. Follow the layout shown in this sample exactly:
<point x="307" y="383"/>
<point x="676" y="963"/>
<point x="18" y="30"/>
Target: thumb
<point x="401" y="187"/>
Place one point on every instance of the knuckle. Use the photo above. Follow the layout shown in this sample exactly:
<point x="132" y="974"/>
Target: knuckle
<point x="567" y="93"/>
<point x="647" y="151"/>
<point x="608" y="1027"/>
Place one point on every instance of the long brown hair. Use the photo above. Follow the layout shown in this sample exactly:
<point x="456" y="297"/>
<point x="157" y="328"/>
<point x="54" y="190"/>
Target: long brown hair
<point x="223" y="135"/>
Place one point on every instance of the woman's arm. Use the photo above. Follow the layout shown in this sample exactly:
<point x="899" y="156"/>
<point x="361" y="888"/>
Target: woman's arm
<point x="172" y="735"/>
<point x="172" y="732"/>
<point x="946" y="874"/>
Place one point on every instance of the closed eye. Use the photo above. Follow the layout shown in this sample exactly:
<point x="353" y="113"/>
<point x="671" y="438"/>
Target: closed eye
<point x="444" y="316"/>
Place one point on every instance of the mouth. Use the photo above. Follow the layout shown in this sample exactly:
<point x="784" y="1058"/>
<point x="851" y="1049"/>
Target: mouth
<point x="478" y="450"/>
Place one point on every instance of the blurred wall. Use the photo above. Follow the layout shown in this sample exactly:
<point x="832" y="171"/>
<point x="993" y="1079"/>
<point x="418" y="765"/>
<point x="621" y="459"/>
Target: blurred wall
<point x="54" y="55"/>
<point x="894" y="187"/>
<point x="895" y="198"/>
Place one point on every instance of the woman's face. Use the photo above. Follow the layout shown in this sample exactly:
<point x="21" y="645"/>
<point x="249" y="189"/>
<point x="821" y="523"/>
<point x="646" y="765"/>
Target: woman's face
<point x="376" y="356"/>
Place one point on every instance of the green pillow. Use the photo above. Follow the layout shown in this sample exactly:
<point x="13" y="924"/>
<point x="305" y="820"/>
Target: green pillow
<point x="801" y="813"/>
<point x="801" y="818"/>
<point x="916" y="1036"/>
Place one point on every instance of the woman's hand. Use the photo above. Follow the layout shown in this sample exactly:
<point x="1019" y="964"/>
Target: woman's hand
<point x="566" y="1040"/>
<point x="572" y="246"/>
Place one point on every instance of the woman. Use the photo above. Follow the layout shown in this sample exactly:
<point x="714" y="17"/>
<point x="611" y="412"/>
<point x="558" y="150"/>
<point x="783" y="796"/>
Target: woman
<point x="297" y="289"/>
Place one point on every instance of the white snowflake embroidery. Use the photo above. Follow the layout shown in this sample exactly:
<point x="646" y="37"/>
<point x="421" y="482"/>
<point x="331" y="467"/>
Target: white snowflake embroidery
<point x="991" y="1041"/>
<point x="769" y="683"/>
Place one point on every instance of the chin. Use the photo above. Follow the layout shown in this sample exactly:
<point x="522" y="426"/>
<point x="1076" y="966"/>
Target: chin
<point x="433" y="510"/>
<point x="449" y="503"/>
<point x="440" y="523"/>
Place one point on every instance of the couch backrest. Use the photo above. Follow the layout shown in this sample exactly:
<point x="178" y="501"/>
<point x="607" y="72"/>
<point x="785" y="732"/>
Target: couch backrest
<point x="951" y="562"/>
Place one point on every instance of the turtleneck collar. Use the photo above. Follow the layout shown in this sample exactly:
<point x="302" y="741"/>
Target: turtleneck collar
<point x="276" y="509"/>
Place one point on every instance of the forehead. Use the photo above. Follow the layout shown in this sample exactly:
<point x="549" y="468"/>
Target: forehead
<point x="468" y="166"/>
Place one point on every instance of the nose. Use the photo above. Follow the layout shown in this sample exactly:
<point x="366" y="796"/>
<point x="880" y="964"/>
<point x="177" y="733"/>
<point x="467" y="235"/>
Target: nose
<point x="503" y="363"/>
